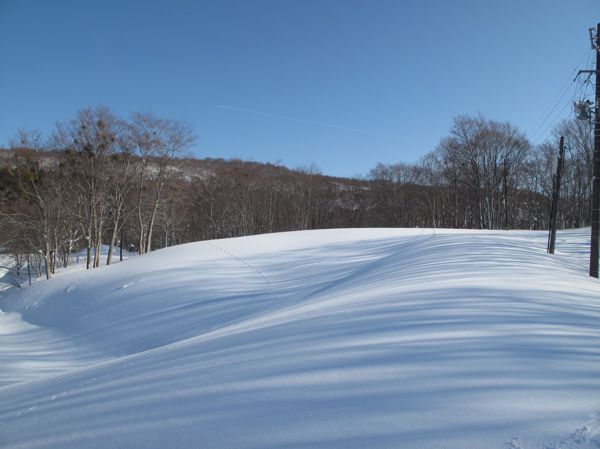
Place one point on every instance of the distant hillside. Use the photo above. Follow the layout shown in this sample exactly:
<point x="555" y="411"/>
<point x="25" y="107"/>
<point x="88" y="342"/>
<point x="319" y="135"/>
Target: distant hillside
<point x="55" y="203"/>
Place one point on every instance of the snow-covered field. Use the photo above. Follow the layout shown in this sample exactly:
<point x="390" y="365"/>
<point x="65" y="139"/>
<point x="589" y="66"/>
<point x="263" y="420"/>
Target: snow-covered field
<point x="366" y="338"/>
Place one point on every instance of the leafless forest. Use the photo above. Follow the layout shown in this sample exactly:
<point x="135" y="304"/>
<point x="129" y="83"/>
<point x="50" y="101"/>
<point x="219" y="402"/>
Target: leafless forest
<point x="130" y="184"/>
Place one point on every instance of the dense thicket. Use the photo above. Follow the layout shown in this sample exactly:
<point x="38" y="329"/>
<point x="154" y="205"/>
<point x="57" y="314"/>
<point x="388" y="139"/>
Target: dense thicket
<point x="102" y="180"/>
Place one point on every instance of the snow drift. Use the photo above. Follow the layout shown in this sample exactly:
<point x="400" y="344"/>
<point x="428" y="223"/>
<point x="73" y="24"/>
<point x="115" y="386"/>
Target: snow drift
<point x="366" y="338"/>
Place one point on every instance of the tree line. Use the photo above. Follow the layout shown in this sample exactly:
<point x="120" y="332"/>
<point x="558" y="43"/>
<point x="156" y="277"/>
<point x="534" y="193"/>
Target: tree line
<point x="128" y="184"/>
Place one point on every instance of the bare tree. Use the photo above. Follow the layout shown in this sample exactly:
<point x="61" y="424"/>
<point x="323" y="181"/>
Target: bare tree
<point x="157" y="142"/>
<point x="90" y="140"/>
<point x="487" y="151"/>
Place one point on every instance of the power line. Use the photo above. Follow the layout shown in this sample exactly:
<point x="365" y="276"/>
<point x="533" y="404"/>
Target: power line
<point x="557" y="101"/>
<point x="560" y="96"/>
<point x="558" y="116"/>
<point x="540" y="129"/>
<point x="580" y="92"/>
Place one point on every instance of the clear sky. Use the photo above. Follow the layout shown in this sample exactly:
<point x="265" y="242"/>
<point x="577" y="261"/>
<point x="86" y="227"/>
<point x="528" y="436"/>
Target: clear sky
<point x="341" y="83"/>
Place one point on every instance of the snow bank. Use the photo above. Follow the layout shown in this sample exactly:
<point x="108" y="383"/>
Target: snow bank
<point x="338" y="339"/>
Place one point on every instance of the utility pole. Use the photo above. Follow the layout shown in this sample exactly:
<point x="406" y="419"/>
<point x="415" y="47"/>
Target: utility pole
<point x="505" y="193"/>
<point x="555" y="196"/>
<point x="595" y="245"/>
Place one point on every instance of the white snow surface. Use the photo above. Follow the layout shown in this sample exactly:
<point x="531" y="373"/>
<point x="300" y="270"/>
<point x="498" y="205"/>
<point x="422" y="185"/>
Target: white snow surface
<point x="357" y="338"/>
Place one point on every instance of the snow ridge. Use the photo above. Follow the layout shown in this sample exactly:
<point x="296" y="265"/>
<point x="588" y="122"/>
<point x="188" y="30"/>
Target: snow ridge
<point x="333" y="339"/>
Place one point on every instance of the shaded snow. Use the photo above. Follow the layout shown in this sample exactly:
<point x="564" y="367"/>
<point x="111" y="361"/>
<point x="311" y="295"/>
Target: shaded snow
<point x="373" y="338"/>
<point x="6" y="271"/>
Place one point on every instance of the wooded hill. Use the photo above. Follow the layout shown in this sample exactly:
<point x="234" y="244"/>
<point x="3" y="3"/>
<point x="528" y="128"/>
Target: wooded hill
<point x="101" y="179"/>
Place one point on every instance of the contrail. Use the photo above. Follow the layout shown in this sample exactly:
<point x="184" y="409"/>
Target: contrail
<point x="293" y="119"/>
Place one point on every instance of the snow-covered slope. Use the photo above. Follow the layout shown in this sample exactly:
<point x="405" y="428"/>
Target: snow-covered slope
<point x="370" y="338"/>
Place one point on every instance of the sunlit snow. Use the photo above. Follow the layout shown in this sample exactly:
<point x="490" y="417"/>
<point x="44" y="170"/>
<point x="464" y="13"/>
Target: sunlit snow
<point x="362" y="338"/>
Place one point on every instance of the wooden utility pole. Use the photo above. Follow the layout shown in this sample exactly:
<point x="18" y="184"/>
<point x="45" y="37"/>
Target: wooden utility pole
<point x="505" y="193"/>
<point x="595" y="248"/>
<point x="555" y="196"/>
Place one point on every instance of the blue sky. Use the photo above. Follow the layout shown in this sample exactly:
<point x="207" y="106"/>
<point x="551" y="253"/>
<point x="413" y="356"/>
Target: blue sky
<point x="341" y="83"/>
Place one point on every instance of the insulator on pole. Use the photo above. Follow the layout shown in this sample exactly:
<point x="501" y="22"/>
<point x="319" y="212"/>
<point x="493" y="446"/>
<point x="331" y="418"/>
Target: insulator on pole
<point x="583" y="110"/>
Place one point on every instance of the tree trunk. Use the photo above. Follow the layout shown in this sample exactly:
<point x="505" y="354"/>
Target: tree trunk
<point x="151" y="225"/>
<point x="29" y="267"/>
<point x="69" y="251"/>
<point x="141" y="246"/>
<point x="88" y="262"/>
<point x="47" y="259"/>
<point x="97" y="251"/>
<point x="38" y="265"/>
<point x="113" y="237"/>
